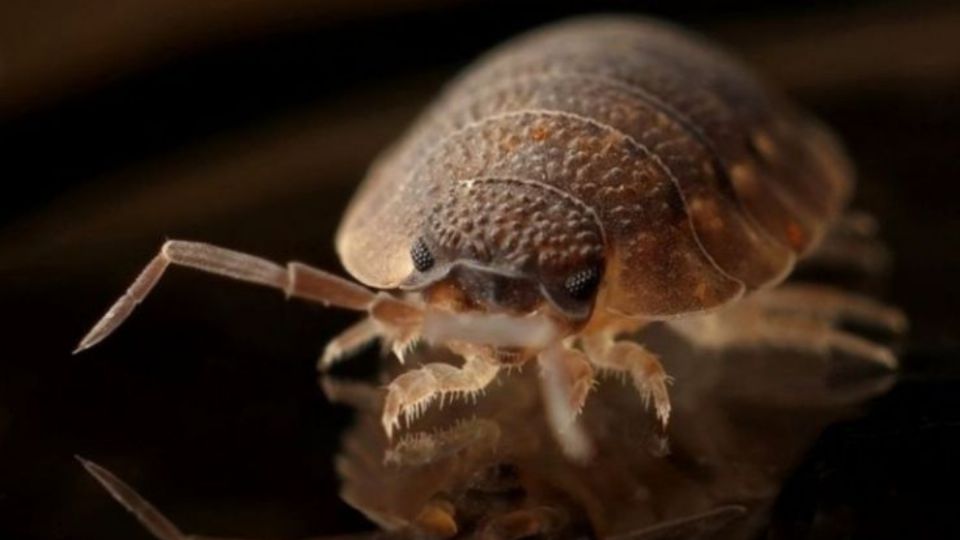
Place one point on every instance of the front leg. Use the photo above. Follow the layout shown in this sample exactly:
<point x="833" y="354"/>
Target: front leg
<point x="294" y="279"/>
<point x="396" y="320"/>
<point x="643" y="367"/>
<point x="349" y="342"/>
<point x="409" y="394"/>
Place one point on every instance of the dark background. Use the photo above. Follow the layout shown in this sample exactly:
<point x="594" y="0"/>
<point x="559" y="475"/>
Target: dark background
<point x="249" y="123"/>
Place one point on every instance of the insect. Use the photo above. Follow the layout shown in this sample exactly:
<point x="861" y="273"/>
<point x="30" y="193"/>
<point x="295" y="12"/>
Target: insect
<point x="575" y="185"/>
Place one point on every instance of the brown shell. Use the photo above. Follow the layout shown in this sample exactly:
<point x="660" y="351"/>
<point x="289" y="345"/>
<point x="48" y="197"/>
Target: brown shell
<point x="705" y="184"/>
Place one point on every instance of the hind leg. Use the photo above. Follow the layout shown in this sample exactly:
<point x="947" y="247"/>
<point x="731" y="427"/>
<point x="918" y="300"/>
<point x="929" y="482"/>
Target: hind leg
<point x="851" y="244"/>
<point x="828" y="304"/>
<point x="799" y="317"/>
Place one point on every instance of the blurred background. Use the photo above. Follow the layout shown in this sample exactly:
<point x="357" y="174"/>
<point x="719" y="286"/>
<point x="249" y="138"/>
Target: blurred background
<point x="249" y="123"/>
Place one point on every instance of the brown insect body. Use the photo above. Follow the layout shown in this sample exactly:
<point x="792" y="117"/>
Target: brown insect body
<point x="703" y="184"/>
<point x="575" y="184"/>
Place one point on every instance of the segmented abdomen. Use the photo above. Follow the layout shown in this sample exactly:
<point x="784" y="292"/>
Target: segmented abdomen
<point x="706" y="184"/>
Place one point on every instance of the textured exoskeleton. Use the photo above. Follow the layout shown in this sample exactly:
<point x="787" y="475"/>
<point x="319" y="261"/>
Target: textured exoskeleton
<point x="572" y="186"/>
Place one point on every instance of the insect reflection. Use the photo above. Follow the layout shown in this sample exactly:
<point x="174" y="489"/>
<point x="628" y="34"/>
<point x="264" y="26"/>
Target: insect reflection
<point x="493" y="470"/>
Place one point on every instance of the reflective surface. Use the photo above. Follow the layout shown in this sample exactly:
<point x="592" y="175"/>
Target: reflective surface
<point x="254" y="136"/>
<point x="742" y="421"/>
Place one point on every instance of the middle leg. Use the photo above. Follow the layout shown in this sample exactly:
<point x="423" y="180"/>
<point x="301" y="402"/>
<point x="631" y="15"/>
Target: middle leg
<point x="799" y="317"/>
<point x="643" y="367"/>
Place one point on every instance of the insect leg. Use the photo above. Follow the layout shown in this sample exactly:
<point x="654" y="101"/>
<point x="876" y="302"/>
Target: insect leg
<point x="360" y="396"/>
<point x="566" y="378"/>
<point x="751" y="324"/>
<point x="643" y="367"/>
<point x="349" y="342"/>
<point x="576" y="374"/>
<point x="468" y="438"/>
<point x="831" y="305"/>
<point x="151" y="518"/>
<point x="851" y="244"/>
<point x="295" y="279"/>
<point x="409" y="394"/>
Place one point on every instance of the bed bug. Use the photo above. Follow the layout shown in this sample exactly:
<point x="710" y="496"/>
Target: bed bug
<point x="576" y="184"/>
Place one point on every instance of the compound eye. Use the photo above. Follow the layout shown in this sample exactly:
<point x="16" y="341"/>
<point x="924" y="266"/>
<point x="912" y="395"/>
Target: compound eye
<point x="581" y="285"/>
<point x="421" y="256"/>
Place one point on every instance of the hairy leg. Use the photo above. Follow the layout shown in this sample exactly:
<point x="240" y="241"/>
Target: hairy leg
<point x="642" y="366"/>
<point x="409" y="394"/>
<point x="474" y="436"/>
